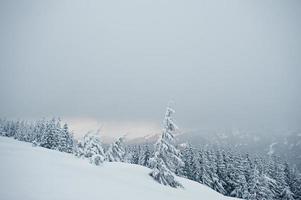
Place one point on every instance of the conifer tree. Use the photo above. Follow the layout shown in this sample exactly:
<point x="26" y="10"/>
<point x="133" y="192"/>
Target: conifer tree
<point x="166" y="156"/>
<point x="188" y="167"/>
<point x="90" y="147"/>
<point x="49" y="138"/>
<point x="116" y="152"/>
<point x="287" y="194"/>
<point x="65" y="140"/>
<point x="205" y="176"/>
<point x="135" y="155"/>
<point x="144" y="156"/>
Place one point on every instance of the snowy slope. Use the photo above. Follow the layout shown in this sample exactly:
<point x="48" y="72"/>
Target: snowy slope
<point x="34" y="173"/>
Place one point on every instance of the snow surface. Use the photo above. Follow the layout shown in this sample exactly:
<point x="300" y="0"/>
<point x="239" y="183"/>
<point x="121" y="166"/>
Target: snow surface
<point x="35" y="173"/>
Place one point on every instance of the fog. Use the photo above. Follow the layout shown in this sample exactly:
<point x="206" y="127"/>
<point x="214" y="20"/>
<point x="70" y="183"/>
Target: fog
<point x="120" y="62"/>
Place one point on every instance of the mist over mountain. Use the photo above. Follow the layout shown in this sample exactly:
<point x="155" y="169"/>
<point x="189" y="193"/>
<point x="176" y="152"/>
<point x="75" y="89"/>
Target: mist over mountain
<point x="286" y="145"/>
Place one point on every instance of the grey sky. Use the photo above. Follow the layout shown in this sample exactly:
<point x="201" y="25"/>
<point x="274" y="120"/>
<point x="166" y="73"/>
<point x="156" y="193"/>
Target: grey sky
<point x="223" y="63"/>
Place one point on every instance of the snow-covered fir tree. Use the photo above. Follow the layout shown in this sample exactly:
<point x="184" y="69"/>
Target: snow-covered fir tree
<point x="166" y="156"/>
<point x="116" y="151"/>
<point x="206" y="168"/>
<point x="38" y="132"/>
<point x="134" y="154"/>
<point x="139" y="154"/>
<point x="65" y="140"/>
<point x="50" y="138"/>
<point x="216" y="182"/>
<point x="90" y="147"/>
<point x="221" y="171"/>
<point x="2" y="131"/>
<point x="238" y="178"/>
<point x="189" y="168"/>
<point x="296" y="185"/>
<point x="144" y="155"/>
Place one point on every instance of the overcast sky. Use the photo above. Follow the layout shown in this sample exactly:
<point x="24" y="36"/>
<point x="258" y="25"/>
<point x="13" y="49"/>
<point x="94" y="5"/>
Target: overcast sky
<point x="118" y="63"/>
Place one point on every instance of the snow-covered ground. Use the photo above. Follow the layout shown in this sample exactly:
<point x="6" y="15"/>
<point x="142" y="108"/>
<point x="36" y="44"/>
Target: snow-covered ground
<point x="35" y="173"/>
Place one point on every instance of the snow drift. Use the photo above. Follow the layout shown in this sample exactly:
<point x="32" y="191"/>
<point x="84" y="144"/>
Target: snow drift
<point x="35" y="173"/>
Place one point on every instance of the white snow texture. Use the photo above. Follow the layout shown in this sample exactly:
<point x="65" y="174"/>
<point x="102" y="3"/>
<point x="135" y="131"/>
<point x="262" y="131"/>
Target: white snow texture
<point x="35" y="173"/>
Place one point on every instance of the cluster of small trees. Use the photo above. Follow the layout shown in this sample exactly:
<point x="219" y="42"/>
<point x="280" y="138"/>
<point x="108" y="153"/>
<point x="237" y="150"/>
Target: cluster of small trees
<point x="139" y="154"/>
<point x="45" y="133"/>
<point x="91" y="147"/>
<point x="52" y="134"/>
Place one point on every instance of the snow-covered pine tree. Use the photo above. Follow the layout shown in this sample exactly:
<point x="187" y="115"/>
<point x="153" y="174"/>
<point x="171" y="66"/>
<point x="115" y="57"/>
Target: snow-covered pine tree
<point x="287" y="194"/>
<point x="144" y="155"/>
<point x="50" y="139"/>
<point x="259" y="186"/>
<point x="116" y="151"/>
<point x="254" y="184"/>
<point x="57" y="133"/>
<point x="281" y="179"/>
<point x="128" y="156"/>
<point x="265" y="192"/>
<point x="296" y="187"/>
<point x="232" y="173"/>
<point x="166" y="156"/>
<point x="19" y="134"/>
<point x="90" y="147"/>
<point x="238" y="179"/>
<point x="7" y="128"/>
<point x="63" y="137"/>
<point x="65" y="140"/>
<point x="70" y="143"/>
<point x="188" y="168"/>
<point x="276" y="170"/>
<point x="15" y="130"/>
<point x="38" y="132"/>
<point x="12" y="128"/>
<point x="134" y="154"/>
<point x="30" y="132"/>
<point x="216" y="183"/>
<point x="221" y="169"/>
<point x="271" y="185"/>
<point x="291" y="180"/>
<point x="241" y="189"/>
<point x="79" y="148"/>
<point x="204" y="164"/>
<point x="245" y="166"/>
<point x="48" y="136"/>
<point x="2" y="132"/>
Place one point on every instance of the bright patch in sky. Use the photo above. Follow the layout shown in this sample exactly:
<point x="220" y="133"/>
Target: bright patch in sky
<point x="113" y="129"/>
